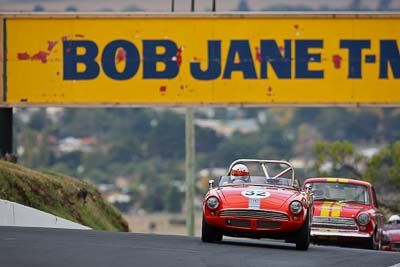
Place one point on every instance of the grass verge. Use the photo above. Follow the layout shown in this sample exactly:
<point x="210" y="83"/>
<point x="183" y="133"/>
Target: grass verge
<point x="59" y="195"/>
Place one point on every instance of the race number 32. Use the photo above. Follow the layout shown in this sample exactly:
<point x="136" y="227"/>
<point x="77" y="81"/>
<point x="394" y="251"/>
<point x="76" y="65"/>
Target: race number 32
<point x="255" y="193"/>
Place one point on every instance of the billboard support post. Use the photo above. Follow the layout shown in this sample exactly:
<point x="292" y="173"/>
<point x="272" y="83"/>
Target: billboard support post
<point x="6" y="132"/>
<point x="190" y="170"/>
<point x="6" y="116"/>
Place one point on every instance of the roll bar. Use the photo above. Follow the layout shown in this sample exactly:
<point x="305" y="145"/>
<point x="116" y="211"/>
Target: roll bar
<point x="264" y="164"/>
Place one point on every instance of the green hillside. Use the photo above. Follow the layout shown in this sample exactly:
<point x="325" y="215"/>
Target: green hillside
<point x="60" y="195"/>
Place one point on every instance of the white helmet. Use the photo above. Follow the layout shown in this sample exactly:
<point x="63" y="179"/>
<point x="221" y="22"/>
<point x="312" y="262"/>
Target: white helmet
<point x="240" y="172"/>
<point x="394" y="219"/>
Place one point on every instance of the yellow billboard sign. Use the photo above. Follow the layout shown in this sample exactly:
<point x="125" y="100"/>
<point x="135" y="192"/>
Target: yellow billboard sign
<point x="188" y="59"/>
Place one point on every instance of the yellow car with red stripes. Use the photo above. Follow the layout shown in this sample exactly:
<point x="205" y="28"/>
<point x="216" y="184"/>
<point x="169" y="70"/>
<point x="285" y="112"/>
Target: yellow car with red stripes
<point x="345" y="213"/>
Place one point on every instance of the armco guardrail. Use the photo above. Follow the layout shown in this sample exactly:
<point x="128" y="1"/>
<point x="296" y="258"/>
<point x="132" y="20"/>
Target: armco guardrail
<point x="14" y="214"/>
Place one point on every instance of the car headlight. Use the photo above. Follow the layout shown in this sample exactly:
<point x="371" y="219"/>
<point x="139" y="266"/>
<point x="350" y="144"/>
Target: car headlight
<point x="363" y="218"/>
<point x="296" y="207"/>
<point x="212" y="203"/>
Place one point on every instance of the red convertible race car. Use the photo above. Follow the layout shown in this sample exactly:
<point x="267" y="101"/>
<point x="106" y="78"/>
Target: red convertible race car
<point x="258" y="199"/>
<point x="345" y="213"/>
<point x="391" y="234"/>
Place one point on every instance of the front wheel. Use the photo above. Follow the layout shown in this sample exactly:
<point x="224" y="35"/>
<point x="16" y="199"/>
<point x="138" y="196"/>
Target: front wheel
<point x="373" y="243"/>
<point x="303" y="236"/>
<point x="210" y="233"/>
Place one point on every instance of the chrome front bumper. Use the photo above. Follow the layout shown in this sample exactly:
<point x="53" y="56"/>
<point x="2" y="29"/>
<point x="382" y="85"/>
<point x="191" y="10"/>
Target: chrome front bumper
<point x="315" y="233"/>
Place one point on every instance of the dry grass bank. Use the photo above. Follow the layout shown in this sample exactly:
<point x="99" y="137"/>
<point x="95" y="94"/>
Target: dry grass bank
<point x="59" y="195"/>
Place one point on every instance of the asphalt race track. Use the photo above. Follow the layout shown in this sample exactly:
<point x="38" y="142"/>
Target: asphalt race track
<point x="43" y="247"/>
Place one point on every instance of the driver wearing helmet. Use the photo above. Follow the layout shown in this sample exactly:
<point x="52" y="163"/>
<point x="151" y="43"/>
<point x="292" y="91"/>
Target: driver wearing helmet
<point x="394" y="219"/>
<point x="240" y="174"/>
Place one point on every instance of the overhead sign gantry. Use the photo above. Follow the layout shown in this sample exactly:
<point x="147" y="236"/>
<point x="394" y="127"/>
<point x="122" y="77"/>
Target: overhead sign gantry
<point x="200" y="59"/>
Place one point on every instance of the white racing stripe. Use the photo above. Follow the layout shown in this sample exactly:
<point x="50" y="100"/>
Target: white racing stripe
<point x="254" y="203"/>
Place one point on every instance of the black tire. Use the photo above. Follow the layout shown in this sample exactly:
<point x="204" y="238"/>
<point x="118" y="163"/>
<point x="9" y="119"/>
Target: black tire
<point x="209" y="233"/>
<point x="373" y="243"/>
<point x="302" y="239"/>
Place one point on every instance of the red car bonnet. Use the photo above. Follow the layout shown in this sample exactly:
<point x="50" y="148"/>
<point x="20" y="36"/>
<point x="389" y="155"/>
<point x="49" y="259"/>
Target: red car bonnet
<point x="393" y="233"/>
<point x="233" y="197"/>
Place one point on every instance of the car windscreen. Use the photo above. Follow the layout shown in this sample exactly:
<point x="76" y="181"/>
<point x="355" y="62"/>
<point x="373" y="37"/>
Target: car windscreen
<point x="391" y="227"/>
<point x="341" y="192"/>
<point x="256" y="180"/>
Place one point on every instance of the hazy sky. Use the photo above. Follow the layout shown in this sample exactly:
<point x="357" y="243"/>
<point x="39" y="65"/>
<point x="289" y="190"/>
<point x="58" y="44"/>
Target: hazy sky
<point x="180" y="5"/>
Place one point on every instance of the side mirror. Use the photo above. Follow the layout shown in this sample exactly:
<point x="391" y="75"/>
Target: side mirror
<point x="210" y="184"/>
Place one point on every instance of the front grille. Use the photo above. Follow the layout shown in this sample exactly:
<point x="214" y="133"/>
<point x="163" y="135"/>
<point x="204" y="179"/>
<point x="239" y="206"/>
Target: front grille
<point x="270" y="225"/>
<point x="254" y="214"/>
<point x="334" y="223"/>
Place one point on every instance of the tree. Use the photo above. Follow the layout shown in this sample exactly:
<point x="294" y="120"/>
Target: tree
<point x="243" y="6"/>
<point x="174" y="199"/>
<point x="132" y="8"/>
<point x="355" y="5"/>
<point x="289" y="7"/>
<point x="38" y="8"/>
<point x="273" y="140"/>
<point x="302" y="115"/>
<point x="154" y="199"/>
<point x="207" y="140"/>
<point x="362" y="126"/>
<point x="306" y="136"/>
<point x="384" y="5"/>
<point x="167" y="138"/>
<point x="337" y="159"/>
<point x="389" y="125"/>
<point x="332" y="123"/>
<point x="37" y="153"/>
<point x="239" y="146"/>
<point x="38" y="120"/>
<point x="125" y="150"/>
<point x="383" y="169"/>
<point x="71" y="9"/>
